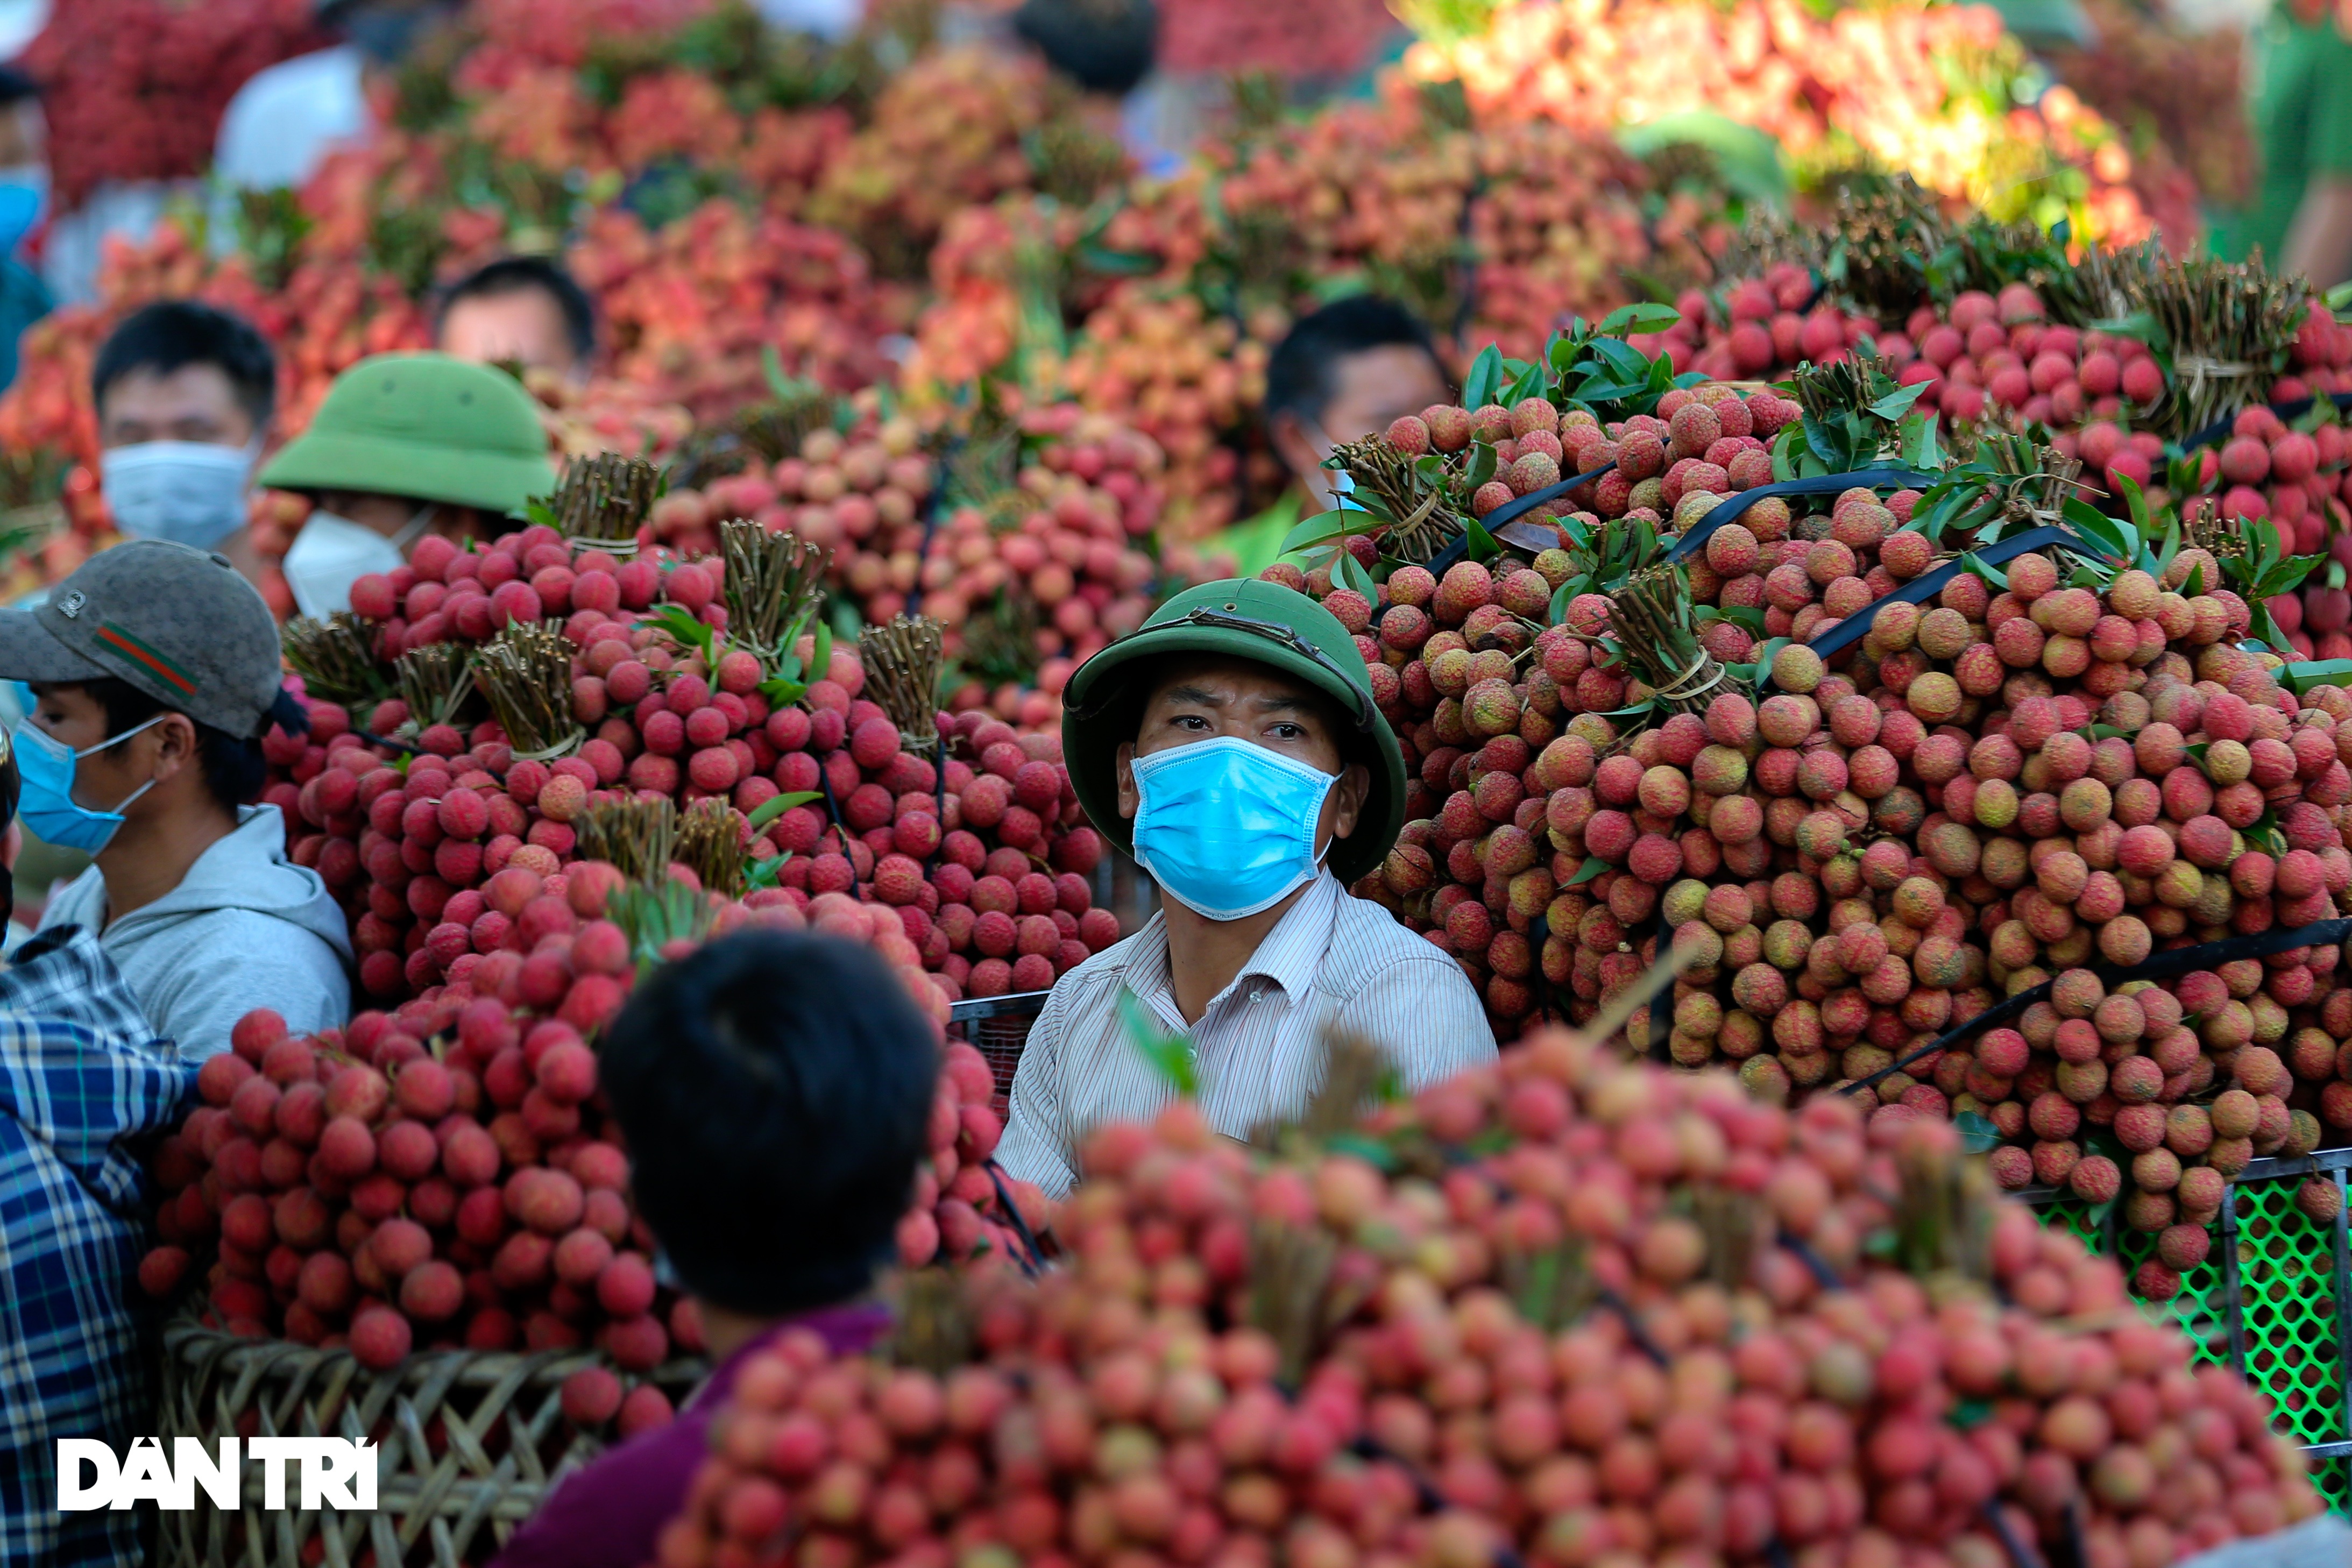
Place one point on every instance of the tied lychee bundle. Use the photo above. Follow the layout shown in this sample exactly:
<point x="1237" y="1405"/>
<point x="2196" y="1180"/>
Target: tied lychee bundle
<point x="2158" y="1095"/>
<point x="1044" y="549"/>
<point x="1648" y="1319"/>
<point x="441" y="1178"/>
<point x="1977" y="773"/>
<point x="762" y="723"/>
<point x="446" y="1176"/>
<point x="1419" y="480"/>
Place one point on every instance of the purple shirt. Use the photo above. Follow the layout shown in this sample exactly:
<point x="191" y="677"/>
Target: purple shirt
<point x="608" y="1513"/>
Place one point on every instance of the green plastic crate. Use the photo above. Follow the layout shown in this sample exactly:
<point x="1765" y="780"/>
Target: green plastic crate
<point x="2264" y="1300"/>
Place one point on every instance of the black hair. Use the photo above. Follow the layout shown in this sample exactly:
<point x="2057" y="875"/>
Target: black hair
<point x="172" y="334"/>
<point x="521" y="275"/>
<point x="1300" y="377"/>
<point x="234" y="768"/>
<point x="1103" y="46"/>
<point x="775" y="1089"/>
<point x="16" y="85"/>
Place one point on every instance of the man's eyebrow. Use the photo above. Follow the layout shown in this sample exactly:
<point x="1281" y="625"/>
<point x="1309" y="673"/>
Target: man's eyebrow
<point x="1201" y="695"/>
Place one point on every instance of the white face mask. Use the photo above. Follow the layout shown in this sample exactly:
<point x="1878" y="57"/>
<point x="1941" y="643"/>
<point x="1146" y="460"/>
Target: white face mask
<point x="333" y="552"/>
<point x="189" y="492"/>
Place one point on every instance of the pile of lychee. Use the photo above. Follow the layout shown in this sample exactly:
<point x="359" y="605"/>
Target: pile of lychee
<point x="1562" y="1309"/>
<point x="447" y="1175"/>
<point x="975" y="844"/>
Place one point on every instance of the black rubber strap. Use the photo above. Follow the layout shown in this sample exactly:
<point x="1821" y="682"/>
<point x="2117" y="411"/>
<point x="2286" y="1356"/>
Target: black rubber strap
<point x="1034" y="1263"/>
<point x="2157" y="966"/>
<point x="1512" y="510"/>
<point x="2294" y="408"/>
<point x="1927" y="584"/>
<point x="1818" y="484"/>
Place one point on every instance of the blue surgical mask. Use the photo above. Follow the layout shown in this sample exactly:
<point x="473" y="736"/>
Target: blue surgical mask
<point x="24" y="196"/>
<point x="1227" y="828"/>
<point x="46" y="804"/>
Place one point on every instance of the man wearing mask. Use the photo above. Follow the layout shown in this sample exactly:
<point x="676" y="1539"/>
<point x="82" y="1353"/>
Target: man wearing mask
<point x="1344" y="372"/>
<point x="153" y="673"/>
<point x="84" y="1085"/>
<point x="23" y="203"/>
<point x="403" y="445"/>
<point x="185" y="394"/>
<point x="1232" y="746"/>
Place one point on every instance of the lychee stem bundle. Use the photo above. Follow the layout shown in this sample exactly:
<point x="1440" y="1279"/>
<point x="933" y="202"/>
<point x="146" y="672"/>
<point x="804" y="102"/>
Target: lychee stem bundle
<point x="601" y="500"/>
<point x="433" y="681"/>
<point x="526" y="675"/>
<point x="903" y="661"/>
<point x="1421" y="518"/>
<point x="775" y="584"/>
<point x="934" y="1327"/>
<point x="1650" y="618"/>
<point x="2229" y="324"/>
<point x="335" y="657"/>
<point x="1944" y="1213"/>
<point x="638" y="837"/>
<point x="775" y="430"/>
<point x="710" y="844"/>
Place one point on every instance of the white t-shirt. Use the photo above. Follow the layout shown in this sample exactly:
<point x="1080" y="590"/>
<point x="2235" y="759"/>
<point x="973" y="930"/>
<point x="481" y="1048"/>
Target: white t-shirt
<point x="284" y="122"/>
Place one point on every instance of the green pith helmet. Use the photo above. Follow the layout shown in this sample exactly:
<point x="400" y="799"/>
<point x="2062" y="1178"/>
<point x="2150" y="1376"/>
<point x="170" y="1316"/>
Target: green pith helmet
<point x="422" y="425"/>
<point x="1263" y="623"/>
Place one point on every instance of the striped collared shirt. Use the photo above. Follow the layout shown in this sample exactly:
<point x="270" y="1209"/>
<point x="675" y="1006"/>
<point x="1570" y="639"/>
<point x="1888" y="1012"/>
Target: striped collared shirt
<point x="1332" y="961"/>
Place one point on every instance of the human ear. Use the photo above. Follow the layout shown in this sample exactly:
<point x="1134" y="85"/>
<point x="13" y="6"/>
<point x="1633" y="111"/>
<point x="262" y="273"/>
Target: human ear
<point x="173" y="745"/>
<point x="1348" y="797"/>
<point x="1130" y="799"/>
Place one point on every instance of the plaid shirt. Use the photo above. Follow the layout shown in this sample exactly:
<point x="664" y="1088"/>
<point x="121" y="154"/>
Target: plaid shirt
<point x="82" y="1081"/>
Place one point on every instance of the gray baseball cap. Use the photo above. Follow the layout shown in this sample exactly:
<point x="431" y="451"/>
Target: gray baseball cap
<point x="177" y="623"/>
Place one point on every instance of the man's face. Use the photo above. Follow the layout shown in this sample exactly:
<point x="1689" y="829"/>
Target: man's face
<point x="195" y="403"/>
<point x="1201" y="699"/>
<point x="525" y="325"/>
<point x="24" y="134"/>
<point x="105" y="779"/>
<point x="1369" y="391"/>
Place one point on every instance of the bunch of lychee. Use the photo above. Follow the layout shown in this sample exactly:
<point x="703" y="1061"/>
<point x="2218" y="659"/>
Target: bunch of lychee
<point x="442" y="1177"/>
<point x="984" y="835"/>
<point x="447" y="1175"/>
<point x="1576" y="1310"/>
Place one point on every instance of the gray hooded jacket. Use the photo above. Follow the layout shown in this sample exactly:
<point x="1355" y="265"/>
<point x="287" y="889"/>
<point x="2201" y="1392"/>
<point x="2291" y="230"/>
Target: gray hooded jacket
<point x="245" y="928"/>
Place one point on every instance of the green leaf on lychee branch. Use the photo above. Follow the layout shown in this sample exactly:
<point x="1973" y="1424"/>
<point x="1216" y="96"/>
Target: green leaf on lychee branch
<point x="1978" y="1135"/>
<point x="767" y="873"/>
<point x="2264" y="834"/>
<point x="2288" y="575"/>
<point x="1641" y="316"/>
<point x="1967" y="1415"/>
<point x="775" y="806"/>
<point x="676" y="622"/>
<point x="1593" y="866"/>
<point x="2301" y="677"/>
<point x="1169" y="1055"/>
<point x="1485" y="375"/>
<point x="1482" y="545"/>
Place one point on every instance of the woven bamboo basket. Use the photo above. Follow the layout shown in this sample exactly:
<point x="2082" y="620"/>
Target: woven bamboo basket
<point x="469" y="1443"/>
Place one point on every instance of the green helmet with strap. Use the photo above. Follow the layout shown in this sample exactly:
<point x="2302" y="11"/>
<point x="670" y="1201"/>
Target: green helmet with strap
<point x="1259" y="623"/>
<point x="424" y="426"/>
